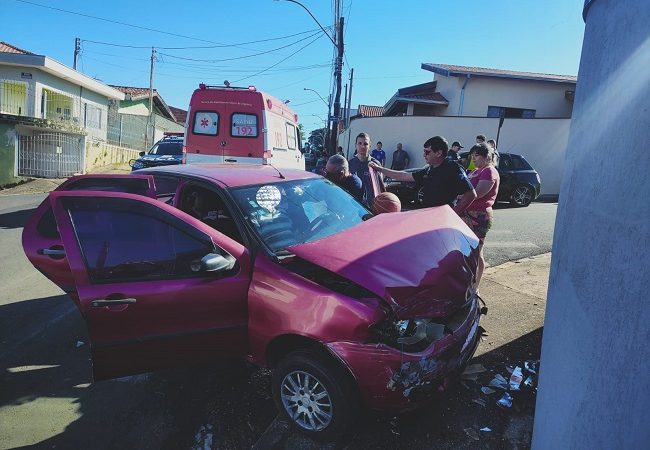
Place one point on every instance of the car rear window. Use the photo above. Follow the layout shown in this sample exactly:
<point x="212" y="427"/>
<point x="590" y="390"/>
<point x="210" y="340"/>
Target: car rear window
<point x="243" y="125"/>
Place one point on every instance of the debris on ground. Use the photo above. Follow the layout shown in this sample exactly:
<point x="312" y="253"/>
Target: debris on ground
<point x="80" y="344"/>
<point x="471" y="432"/>
<point x="487" y="391"/>
<point x="486" y="429"/>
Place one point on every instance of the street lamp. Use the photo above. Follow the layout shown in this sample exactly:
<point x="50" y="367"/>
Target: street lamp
<point x="312" y="16"/>
<point x="338" y="68"/>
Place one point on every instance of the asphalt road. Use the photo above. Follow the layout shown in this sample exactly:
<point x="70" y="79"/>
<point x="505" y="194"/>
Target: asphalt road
<point x="47" y="398"/>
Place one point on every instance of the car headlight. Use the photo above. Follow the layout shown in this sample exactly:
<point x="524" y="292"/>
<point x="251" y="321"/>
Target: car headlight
<point x="411" y="335"/>
<point x="138" y="165"/>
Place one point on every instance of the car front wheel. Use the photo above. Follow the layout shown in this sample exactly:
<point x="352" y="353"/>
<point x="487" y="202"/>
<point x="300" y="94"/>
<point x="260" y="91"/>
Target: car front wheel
<point x="315" y="394"/>
<point x="521" y="196"/>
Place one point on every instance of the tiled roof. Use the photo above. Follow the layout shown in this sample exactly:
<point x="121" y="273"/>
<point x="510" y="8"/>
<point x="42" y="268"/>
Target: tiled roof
<point x="8" y="48"/>
<point x="180" y="114"/>
<point x="451" y="70"/>
<point x="370" y="111"/>
<point x="134" y="92"/>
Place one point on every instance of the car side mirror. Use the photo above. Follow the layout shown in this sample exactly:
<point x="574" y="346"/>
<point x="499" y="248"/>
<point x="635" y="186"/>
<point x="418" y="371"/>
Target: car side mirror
<point x="213" y="262"/>
<point x="141" y="153"/>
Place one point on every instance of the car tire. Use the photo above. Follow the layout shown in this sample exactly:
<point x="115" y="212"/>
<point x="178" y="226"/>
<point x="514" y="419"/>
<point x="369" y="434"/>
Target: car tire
<point x="521" y="196"/>
<point x="315" y="394"/>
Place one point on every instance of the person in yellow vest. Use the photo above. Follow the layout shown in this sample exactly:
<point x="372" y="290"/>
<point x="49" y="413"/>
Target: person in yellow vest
<point x="469" y="164"/>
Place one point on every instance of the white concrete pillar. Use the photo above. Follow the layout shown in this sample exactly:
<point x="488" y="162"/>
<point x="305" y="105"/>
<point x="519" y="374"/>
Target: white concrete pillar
<point x="594" y="389"/>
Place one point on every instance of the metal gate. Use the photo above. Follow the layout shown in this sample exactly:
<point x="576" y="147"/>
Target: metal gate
<point x="50" y="155"/>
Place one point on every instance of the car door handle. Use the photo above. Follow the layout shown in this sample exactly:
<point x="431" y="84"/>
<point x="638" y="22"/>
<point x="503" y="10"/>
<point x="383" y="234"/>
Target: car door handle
<point x="121" y="301"/>
<point x="230" y="160"/>
<point x="51" y="252"/>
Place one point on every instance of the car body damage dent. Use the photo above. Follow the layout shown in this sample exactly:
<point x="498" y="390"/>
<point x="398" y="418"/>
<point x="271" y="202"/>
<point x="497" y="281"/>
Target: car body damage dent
<point x="413" y="374"/>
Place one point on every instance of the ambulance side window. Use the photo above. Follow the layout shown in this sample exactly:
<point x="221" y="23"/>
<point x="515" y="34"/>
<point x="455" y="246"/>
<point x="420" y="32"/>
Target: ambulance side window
<point x="206" y="122"/>
<point x="291" y="136"/>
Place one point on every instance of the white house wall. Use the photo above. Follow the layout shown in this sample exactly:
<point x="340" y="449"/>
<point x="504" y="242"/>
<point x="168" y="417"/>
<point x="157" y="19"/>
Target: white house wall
<point x="547" y="98"/>
<point x="541" y="141"/>
<point x="45" y="80"/>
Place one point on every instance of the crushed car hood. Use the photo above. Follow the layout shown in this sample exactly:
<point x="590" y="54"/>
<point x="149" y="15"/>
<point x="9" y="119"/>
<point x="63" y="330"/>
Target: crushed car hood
<point x="420" y="262"/>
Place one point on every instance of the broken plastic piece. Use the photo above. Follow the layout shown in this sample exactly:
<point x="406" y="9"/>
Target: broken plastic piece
<point x="530" y="382"/>
<point x="80" y="344"/>
<point x="499" y="382"/>
<point x="487" y="391"/>
<point x="531" y="366"/>
<point x="505" y="401"/>
<point x="486" y="429"/>
<point x="515" y="379"/>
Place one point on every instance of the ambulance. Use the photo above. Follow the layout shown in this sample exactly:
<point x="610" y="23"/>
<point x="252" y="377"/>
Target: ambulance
<point x="241" y="126"/>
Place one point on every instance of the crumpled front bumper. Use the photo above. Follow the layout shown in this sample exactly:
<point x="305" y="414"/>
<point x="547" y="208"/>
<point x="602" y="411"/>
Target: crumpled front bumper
<point x="389" y="379"/>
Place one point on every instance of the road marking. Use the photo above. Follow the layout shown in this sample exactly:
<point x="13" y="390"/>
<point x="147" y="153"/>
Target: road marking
<point x="510" y="244"/>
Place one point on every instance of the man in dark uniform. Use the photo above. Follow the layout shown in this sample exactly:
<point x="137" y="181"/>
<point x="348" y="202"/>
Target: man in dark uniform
<point x="441" y="182"/>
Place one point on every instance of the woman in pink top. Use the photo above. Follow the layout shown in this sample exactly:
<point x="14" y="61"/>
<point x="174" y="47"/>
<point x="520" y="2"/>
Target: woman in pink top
<point x="478" y="215"/>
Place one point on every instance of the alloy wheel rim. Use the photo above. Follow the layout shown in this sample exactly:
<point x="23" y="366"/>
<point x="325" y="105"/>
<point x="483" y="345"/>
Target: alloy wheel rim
<point x="522" y="194"/>
<point x="306" y="400"/>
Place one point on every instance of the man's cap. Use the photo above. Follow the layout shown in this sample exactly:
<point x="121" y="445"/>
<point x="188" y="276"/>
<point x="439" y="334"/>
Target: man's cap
<point x="456" y="144"/>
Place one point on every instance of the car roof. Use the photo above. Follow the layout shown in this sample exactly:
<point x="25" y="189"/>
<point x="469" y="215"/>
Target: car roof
<point x="234" y="175"/>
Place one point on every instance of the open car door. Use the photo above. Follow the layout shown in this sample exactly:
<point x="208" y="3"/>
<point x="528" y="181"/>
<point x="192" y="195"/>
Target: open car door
<point x="41" y="240"/>
<point x="157" y="287"/>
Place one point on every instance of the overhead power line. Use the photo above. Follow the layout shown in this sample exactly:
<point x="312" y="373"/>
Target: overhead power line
<point x="282" y="60"/>
<point x="199" y="47"/>
<point x="245" y="56"/>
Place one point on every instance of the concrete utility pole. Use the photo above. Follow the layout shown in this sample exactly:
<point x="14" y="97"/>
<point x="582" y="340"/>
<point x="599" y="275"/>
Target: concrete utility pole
<point x="77" y="50"/>
<point x="595" y="378"/>
<point x="337" y="95"/>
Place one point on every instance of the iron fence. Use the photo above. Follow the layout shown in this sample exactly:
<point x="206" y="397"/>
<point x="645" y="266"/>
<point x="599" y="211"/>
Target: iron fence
<point x="50" y="155"/>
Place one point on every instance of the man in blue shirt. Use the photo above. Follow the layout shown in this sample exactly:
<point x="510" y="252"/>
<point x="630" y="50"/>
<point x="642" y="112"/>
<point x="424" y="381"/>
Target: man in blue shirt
<point x="372" y="181"/>
<point x="338" y="172"/>
<point x="379" y="154"/>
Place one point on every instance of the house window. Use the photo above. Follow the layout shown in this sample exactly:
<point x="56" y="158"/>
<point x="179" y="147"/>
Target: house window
<point x="93" y="116"/>
<point x="13" y="97"/>
<point x="55" y="105"/>
<point x="510" y="113"/>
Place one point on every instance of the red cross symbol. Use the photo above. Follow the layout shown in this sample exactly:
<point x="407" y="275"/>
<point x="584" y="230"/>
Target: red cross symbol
<point x="204" y="122"/>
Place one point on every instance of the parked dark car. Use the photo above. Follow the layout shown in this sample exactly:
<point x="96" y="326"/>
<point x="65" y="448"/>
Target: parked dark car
<point x="520" y="183"/>
<point x="166" y="152"/>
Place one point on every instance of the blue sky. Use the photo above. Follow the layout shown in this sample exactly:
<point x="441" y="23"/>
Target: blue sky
<point x="385" y="42"/>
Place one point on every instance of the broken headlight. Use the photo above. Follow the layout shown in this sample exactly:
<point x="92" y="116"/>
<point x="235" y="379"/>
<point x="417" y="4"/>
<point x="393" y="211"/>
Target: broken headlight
<point x="411" y="335"/>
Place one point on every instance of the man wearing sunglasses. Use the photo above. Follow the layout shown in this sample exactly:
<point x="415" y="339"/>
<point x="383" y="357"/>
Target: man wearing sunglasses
<point x="337" y="170"/>
<point x="441" y="182"/>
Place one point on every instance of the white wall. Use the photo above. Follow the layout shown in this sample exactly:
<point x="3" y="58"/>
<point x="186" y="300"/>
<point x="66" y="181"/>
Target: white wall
<point x="546" y="98"/>
<point x="541" y="141"/>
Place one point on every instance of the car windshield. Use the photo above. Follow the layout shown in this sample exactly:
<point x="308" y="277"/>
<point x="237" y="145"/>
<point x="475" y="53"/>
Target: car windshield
<point x="294" y="212"/>
<point x="167" y="148"/>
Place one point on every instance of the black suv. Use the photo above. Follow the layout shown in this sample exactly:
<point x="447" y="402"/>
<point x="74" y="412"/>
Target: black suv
<point x="166" y="152"/>
<point x="520" y="183"/>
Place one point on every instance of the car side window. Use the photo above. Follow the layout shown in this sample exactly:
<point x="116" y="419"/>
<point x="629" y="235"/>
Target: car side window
<point x="127" y="240"/>
<point x="166" y="187"/>
<point x="519" y="163"/>
<point x="505" y="163"/>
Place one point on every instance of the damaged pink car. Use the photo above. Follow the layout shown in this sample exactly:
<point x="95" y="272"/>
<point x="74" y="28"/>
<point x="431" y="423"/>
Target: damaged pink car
<point x="184" y="264"/>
